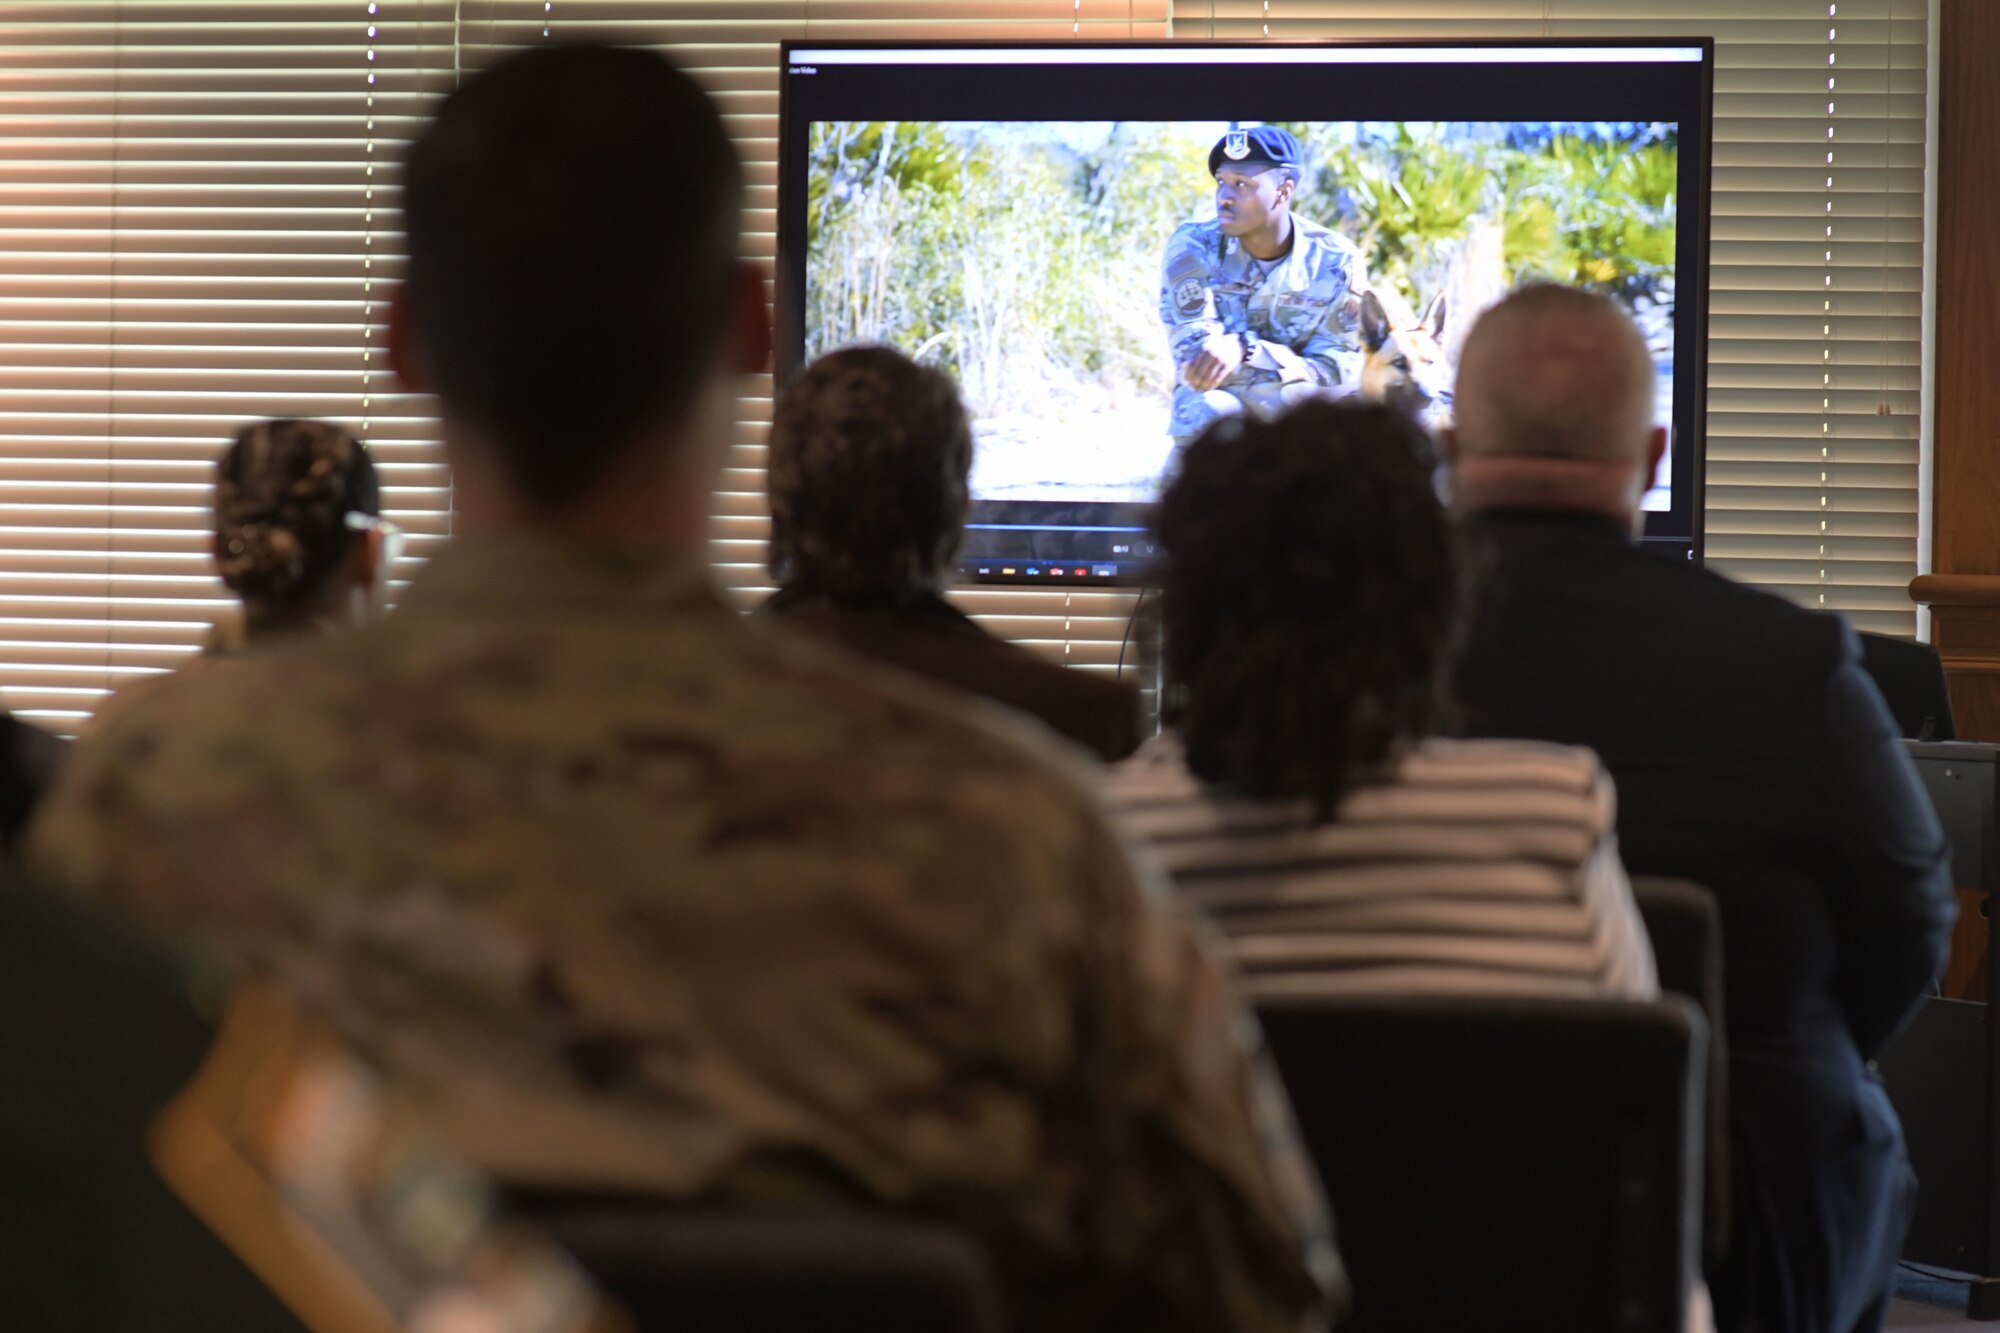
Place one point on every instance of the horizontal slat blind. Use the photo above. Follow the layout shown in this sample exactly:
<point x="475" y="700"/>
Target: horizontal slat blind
<point x="200" y="220"/>
<point x="1816" y="252"/>
<point x="193" y="233"/>
<point x="198" y="229"/>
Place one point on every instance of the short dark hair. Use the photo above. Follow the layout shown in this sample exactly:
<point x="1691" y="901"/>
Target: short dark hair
<point x="573" y="218"/>
<point x="1311" y="592"/>
<point x="867" y="476"/>
<point x="283" y="491"/>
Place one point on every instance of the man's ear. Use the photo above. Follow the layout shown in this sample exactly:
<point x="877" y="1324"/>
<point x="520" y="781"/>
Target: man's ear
<point x="750" y="321"/>
<point x="1656" y="449"/>
<point x="401" y="339"/>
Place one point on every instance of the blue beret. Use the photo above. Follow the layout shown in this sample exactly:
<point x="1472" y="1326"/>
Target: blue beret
<point x="1265" y="146"/>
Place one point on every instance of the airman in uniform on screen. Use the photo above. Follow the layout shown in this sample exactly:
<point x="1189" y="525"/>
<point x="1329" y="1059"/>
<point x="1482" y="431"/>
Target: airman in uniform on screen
<point x="1262" y="308"/>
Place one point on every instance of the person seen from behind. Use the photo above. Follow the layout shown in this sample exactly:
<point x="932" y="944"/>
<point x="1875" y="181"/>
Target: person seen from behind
<point x="1311" y="594"/>
<point x="299" y="539"/>
<point x="1753" y="756"/>
<point x="299" y="532"/>
<point x="868" y="462"/>
<point x="635" y="896"/>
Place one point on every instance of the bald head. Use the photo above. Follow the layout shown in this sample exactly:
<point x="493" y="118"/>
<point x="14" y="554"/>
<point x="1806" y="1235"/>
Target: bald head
<point x="1554" y="405"/>
<point x="1553" y="372"/>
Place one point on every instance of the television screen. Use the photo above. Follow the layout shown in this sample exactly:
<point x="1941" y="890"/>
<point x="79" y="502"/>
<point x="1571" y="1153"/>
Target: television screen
<point x="1088" y="238"/>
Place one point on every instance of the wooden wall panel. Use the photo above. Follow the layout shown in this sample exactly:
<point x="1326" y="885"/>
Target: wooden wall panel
<point x="1965" y="548"/>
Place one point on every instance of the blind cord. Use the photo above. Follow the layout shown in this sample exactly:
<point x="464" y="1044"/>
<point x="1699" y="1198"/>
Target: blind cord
<point x="1126" y="638"/>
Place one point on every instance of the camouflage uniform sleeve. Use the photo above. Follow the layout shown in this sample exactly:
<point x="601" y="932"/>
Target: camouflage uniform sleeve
<point x="1333" y="353"/>
<point x="1187" y="305"/>
<point x="140" y="801"/>
<point x="70" y="842"/>
<point x="1200" y="1171"/>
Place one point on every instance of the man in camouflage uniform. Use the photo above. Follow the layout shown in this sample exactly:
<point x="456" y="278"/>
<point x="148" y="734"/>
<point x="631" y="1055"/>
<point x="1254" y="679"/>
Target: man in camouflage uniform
<point x="1262" y="307"/>
<point x="633" y="894"/>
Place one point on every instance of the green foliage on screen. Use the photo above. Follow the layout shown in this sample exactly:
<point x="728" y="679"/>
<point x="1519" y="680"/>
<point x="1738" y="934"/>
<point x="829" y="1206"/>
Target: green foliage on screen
<point x="1025" y="260"/>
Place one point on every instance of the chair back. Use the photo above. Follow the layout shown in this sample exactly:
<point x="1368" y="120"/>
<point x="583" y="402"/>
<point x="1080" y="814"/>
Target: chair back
<point x="1504" y="1164"/>
<point x="685" y="1269"/>
<point x="97" y="1032"/>
<point x="1686" y="929"/>
<point x="1911" y="678"/>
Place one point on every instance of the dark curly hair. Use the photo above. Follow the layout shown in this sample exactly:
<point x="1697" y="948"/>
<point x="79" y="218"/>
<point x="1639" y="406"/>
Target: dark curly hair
<point x="867" y="475"/>
<point x="283" y="491"/>
<point x="1311" y="595"/>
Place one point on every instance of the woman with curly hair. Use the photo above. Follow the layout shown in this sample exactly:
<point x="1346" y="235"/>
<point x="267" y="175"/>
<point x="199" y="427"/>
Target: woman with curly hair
<point x="1311" y="591"/>
<point x="868" y="463"/>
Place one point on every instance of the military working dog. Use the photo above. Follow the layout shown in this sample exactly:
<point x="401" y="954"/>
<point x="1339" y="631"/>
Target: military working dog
<point x="1403" y="359"/>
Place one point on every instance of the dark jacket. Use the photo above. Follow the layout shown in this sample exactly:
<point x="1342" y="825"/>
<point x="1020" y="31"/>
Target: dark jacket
<point x="29" y="760"/>
<point x="932" y="638"/>
<point x="97" y="1032"/>
<point x="1752" y="755"/>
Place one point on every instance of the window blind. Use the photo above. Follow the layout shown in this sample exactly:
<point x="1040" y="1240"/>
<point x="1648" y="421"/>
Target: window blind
<point x="195" y="231"/>
<point x="1816" y="253"/>
<point x="198" y="229"/>
<point x="200" y="225"/>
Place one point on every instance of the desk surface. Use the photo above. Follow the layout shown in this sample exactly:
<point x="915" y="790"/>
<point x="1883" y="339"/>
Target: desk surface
<point x="1977" y="752"/>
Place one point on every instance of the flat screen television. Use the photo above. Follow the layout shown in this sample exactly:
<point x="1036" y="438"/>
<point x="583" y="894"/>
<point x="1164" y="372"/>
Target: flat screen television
<point x="1014" y="214"/>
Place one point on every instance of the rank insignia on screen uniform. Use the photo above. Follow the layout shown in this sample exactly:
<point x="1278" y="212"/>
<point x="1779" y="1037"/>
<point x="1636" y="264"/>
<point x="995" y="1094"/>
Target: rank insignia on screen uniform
<point x="1236" y="145"/>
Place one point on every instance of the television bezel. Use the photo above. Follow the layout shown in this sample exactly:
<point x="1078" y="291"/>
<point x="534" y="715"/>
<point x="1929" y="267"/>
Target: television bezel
<point x="789" y="259"/>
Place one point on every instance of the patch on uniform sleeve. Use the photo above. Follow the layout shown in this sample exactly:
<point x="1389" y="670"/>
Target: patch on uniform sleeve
<point x="1188" y="296"/>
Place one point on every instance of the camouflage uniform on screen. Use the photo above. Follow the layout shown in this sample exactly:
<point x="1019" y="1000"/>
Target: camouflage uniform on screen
<point x="635" y="894"/>
<point x="1299" y="316"/>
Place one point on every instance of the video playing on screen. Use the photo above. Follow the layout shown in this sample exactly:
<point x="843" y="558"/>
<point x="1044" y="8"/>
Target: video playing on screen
<point x="1103" y="289"/>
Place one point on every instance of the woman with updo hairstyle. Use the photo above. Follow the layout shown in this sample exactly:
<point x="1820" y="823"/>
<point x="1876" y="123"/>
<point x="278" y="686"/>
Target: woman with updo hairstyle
<point x="299" y="538"/>
<point x="298" y="527"/>
<point x="1311" y="591"/>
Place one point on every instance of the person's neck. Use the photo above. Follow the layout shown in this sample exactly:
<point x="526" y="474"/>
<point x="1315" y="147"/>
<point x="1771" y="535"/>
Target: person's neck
<point x="1606" y="489"/>
<point x="1273" y="241"/>
<point x="669" y="523"/>
<point x="655" y="497"/>
<point x="333" y="610"/>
